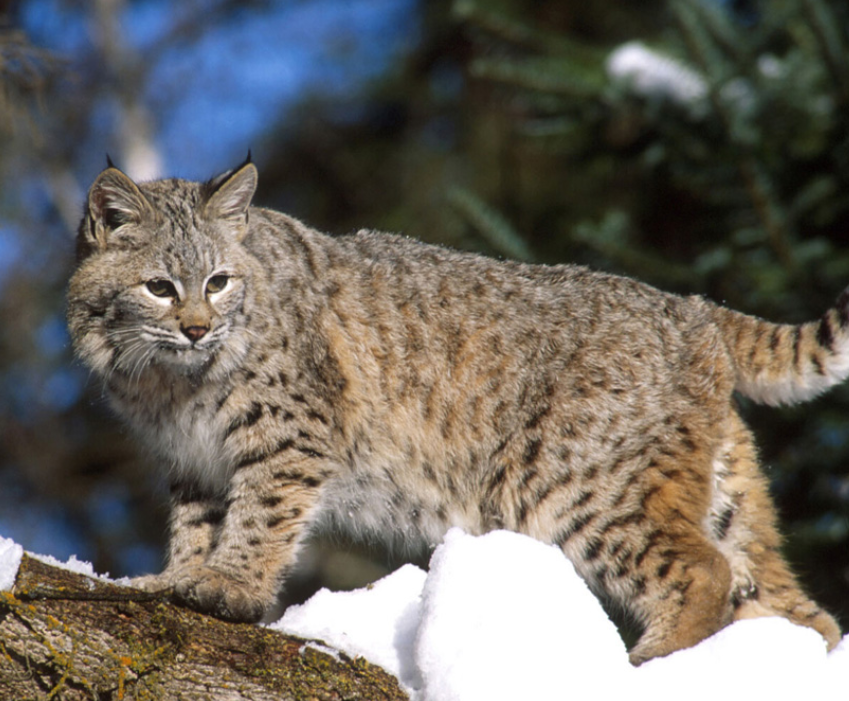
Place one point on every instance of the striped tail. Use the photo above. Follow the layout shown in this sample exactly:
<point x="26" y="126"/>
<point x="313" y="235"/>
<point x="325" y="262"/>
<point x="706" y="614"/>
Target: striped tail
<point x="786" y="363"/>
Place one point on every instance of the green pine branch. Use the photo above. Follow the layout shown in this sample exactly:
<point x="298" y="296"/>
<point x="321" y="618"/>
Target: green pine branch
<point x="520" y="35"/>
<point x="609" y="237"/>
<point x="832" y="42"/>
<point x="490" y="224"/>
<point x="554" y="77"/>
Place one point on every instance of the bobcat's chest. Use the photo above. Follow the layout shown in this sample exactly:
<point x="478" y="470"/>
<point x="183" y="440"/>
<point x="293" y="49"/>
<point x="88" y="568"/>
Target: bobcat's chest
<point x="188" y="438"/>
<point x="194" y="441"/>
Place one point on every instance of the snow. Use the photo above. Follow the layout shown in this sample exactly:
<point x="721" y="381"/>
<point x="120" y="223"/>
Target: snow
<point x="494" y="612"/>
<point x="378" y="622"/>
<point x="73" y="564"/>
<point x="10" y="559"/>
<point x="651" y="73"/>
<point x="502" y="616"/>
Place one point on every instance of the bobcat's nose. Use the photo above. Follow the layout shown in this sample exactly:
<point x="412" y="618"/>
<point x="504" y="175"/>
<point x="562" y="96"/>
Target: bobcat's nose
<point x="194" y="333"/>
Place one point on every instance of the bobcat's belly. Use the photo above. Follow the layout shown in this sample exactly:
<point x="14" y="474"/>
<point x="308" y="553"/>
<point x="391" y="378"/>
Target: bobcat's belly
<point x="376" y="505"/>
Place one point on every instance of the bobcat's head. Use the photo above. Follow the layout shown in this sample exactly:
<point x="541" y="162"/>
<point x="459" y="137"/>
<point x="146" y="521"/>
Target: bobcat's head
<point x="163" y="279"/>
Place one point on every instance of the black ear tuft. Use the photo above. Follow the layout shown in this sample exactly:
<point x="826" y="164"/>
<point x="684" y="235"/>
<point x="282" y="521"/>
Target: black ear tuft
<point x="109" y="163"/>
<point x="247" y="160"/>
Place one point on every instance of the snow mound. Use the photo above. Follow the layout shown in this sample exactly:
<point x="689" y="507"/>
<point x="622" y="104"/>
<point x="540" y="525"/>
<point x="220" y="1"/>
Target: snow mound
<point x="496" y="612"/>
<point x="378" y="622"/>
<point x="502" y="616"/>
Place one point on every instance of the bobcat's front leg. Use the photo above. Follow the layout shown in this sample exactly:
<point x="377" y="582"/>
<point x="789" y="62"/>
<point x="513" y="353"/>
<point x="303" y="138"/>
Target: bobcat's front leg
<point x="195" y="519"/>
<point x="269" y="504"/>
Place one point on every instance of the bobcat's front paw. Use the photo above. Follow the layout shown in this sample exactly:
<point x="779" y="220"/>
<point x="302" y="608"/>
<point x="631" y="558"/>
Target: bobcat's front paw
<point x="153" y="583"/>
<point x="210" y="591"/>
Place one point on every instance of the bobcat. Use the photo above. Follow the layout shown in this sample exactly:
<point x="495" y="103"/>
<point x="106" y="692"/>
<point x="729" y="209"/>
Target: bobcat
<point x="288" y="381"/>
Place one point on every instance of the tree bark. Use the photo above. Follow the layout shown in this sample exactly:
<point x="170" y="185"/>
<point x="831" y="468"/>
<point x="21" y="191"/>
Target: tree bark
<point x="67" y="636"/>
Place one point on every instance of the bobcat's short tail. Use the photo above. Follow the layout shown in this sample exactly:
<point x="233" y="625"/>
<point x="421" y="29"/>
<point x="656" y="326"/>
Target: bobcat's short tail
<point x="787" y="363"/>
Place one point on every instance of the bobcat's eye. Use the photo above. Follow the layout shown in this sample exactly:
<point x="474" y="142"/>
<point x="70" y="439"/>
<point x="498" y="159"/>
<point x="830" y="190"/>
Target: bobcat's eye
<point x="217" y="283"/>
<point x="161" y="288"/>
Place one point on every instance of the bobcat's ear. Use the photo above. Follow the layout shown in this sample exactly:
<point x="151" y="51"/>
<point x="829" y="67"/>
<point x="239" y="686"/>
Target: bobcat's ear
<point x="113" y="201"/>
<point x="231" y="194"/>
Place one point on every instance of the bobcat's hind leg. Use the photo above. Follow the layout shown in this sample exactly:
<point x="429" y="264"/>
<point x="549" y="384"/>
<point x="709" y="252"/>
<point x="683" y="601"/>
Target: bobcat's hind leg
<point x="777" y="593"/>
<point x="658" y="562"/>
<point x="687" y="599"/>
<point x="745" y="531"/>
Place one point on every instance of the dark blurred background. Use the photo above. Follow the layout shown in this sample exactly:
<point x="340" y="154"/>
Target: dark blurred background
<point x="700" y="145"/>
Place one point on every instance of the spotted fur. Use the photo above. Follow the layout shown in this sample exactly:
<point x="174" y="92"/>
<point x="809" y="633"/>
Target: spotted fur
<point x="289" y="381"/>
